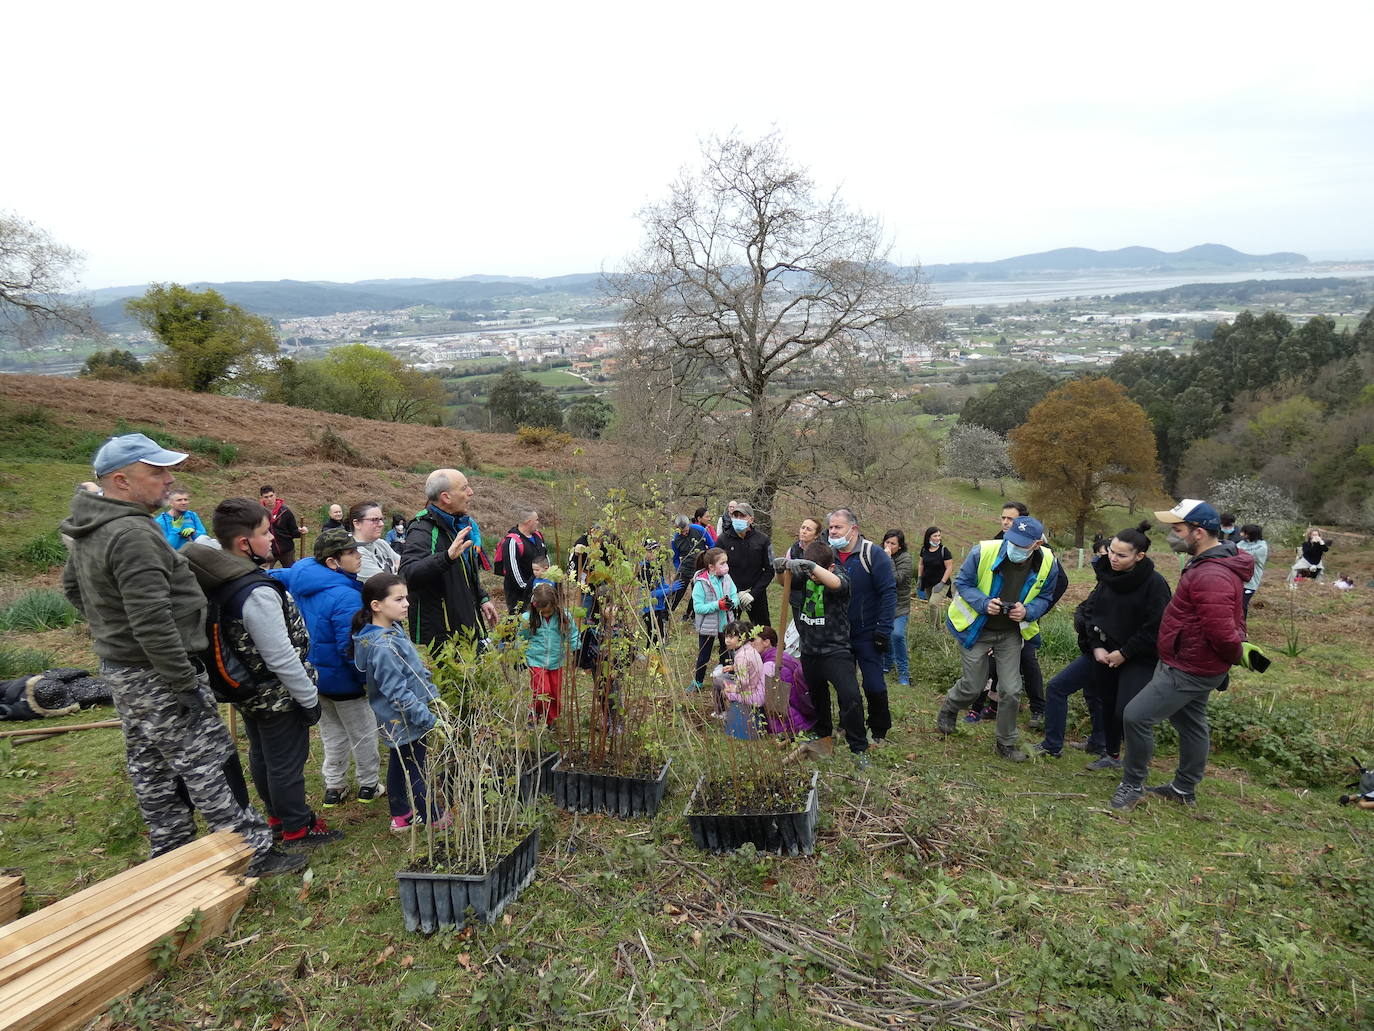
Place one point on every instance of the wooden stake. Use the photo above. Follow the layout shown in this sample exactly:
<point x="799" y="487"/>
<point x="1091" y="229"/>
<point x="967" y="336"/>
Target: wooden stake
<point x="52" y="731"/>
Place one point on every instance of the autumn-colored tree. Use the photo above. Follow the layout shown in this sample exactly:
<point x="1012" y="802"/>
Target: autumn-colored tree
<point x="1082" y="441"/>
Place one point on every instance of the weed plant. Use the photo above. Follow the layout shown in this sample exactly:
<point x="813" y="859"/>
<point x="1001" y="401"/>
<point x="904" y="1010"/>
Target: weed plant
<point x="37" y="610"/>
<point x="46" y="551"/>
<point x="17" y="661"/>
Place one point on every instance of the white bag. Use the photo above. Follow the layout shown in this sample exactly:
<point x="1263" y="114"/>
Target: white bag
<point x="791" y="640"/>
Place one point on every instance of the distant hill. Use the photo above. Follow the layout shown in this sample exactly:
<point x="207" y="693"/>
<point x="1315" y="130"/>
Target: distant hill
<point x="1204" y="257"/>
<point x="291" y="298"/>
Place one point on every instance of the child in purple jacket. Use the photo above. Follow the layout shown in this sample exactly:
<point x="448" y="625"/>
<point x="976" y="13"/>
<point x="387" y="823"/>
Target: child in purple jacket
<point x="801" y="713"/>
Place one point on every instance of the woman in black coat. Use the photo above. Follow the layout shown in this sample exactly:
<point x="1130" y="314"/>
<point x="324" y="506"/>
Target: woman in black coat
<point x="1117" y="624"/>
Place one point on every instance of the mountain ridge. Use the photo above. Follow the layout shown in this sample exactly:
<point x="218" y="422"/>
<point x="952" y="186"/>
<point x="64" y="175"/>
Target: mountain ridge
<point x="293" y="298"/>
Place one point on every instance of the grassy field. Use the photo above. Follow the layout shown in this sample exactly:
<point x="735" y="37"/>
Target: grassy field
<point x="949" y="888"/>
<point x="943" y="872"/>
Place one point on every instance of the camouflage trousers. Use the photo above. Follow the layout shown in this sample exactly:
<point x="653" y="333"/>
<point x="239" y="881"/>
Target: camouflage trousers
<point x="163" y="744"/>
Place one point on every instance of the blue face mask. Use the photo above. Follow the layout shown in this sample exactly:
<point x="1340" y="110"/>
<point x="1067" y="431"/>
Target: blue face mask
<point x="839" y="543"/>
<point x="1017" y="555"/>
<point x="740" y="525"/>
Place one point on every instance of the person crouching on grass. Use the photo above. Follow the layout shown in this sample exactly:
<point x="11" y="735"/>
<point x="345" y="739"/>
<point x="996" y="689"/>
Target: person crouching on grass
<point x="551" y="634"/>
<point x="739" y="686"/>
<point x="400" y="689"/>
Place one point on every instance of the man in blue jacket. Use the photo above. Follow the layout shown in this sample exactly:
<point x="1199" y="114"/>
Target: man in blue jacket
<point x="872" y="607"/>
<point x="1002" y="588"/>
<point x="329" y="594"/>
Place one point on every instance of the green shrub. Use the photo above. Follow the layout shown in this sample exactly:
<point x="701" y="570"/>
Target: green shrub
<point x="17" y="661"/>
<point x="332" y="447"/>
<point x="541" y="438"/>
<point x="45" y="551"/>
<point x="1279" y="736"/>
<point x="223" y="452"/>
<point x="39" y="609"/>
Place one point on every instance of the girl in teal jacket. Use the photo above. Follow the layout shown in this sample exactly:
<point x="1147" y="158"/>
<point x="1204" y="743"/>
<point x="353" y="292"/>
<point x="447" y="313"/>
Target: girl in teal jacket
<point x="550" y="634"/>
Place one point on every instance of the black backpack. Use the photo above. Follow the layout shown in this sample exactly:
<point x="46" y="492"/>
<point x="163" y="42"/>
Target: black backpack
<point x="230" y="678"/>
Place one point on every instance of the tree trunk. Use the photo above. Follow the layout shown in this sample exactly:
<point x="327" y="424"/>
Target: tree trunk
<point x="1078" y="531"/>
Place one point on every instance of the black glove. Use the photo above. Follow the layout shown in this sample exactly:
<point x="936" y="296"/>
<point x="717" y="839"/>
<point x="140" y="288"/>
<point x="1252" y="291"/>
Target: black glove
<point x="882" y="642"/>
<point x="189" y="702"/>
<point x="310" y="716"/>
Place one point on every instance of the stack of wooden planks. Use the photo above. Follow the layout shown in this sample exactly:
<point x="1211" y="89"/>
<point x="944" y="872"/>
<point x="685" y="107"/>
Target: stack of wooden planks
<point x="67" y="962"/>
<point x="11" y="896"/>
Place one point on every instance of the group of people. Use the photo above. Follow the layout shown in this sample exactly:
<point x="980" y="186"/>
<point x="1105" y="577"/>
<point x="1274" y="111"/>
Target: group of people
<point x="1147" y="654"/>
<point x="177" y="608"/>
<point x="183" y="615"/>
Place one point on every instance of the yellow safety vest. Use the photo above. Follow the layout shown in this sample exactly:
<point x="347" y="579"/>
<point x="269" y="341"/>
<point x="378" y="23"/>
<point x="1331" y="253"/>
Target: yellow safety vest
<point x="962" y="615"/>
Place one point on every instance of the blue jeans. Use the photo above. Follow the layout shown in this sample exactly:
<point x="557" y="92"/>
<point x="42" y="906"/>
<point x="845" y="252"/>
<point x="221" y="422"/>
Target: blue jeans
<point x="870" y="665"/>
<point x="1079" y="675"/>
<point x="896" y="652"/>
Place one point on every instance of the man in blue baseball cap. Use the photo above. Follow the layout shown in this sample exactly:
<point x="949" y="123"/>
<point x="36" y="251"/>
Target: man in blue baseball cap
<point x="146" y="615"/>
<point x="1002" y="588"/>
<point x="1200" y="639"/>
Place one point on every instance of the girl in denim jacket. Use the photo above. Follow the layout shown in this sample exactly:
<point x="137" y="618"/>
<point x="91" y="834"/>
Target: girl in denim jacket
<point x="400" y="689"/>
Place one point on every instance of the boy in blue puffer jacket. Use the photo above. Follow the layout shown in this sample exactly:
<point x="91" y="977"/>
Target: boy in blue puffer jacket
<point x="329" y="594"/>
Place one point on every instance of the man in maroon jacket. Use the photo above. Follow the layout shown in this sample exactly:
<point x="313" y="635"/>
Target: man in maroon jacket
<point x="1200" y="639"/>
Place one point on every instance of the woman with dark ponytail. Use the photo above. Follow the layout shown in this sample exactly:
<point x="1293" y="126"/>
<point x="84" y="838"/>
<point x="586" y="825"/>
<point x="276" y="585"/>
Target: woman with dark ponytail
<point x="1117" y="624"/>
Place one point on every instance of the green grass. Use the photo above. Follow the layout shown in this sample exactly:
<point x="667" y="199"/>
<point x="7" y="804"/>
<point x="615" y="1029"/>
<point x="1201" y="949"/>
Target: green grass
<point x="1254" y="910"/>
<point x="18" y="660"/>
<point x="37" y="610"/>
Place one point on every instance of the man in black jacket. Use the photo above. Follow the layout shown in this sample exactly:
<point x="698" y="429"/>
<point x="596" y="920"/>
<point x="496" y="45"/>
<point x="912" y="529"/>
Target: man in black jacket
<point x="751" y="561"/>
<point x="439" y="566"/>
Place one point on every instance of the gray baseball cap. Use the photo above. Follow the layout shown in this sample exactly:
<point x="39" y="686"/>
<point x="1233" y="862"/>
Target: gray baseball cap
<point x="117" y="452"/>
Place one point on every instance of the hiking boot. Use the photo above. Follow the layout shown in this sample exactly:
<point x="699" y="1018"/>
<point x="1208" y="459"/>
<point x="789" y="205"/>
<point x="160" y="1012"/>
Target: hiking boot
<point x="372" y="791"/>
<point x="877" y="742"/>
<point x="972" y="717"/>
<point x="274" y="825"/>
<point x="1173" y="794"/>
<point x="1105" y="762"/>
<point x="334" y="796"/>
<point x="1083" y="746"/>
<point x="1037" y="721"/>
<point x="317" y="833"/>
<point x="944" y="719"/>
<point x="274" y="861"/>
<point x="1041" y="752"/>
<point x="1127" y="797"/>
<point x="861" y="760"/>
<point x="1011" y="752"/>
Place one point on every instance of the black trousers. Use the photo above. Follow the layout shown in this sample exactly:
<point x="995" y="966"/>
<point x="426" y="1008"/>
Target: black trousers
<point x="278" y="747"/>
<point x="823" y="671"/>
<point x="704" y="643"/>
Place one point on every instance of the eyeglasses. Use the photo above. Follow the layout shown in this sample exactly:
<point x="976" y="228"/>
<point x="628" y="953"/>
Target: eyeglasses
<point x="372" y="519"/>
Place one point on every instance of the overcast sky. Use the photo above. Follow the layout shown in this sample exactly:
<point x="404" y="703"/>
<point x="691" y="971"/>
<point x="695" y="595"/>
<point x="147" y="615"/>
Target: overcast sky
<point x="343" y="141"/>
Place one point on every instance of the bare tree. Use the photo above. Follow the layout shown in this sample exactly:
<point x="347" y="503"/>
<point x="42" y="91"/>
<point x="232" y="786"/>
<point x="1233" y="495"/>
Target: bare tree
<point x="976" y="453"/>
<point x="36" y="274"/>
<point x="756" y="312"/>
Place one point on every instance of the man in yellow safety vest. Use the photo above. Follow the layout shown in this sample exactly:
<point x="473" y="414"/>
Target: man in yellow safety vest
<point x="1002" y="588"/>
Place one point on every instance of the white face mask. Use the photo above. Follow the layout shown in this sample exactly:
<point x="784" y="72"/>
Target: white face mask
<point x="1017" y="554"/>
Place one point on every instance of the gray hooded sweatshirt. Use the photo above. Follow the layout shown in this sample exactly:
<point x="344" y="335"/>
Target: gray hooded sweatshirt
<point x="139" y="596"/>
